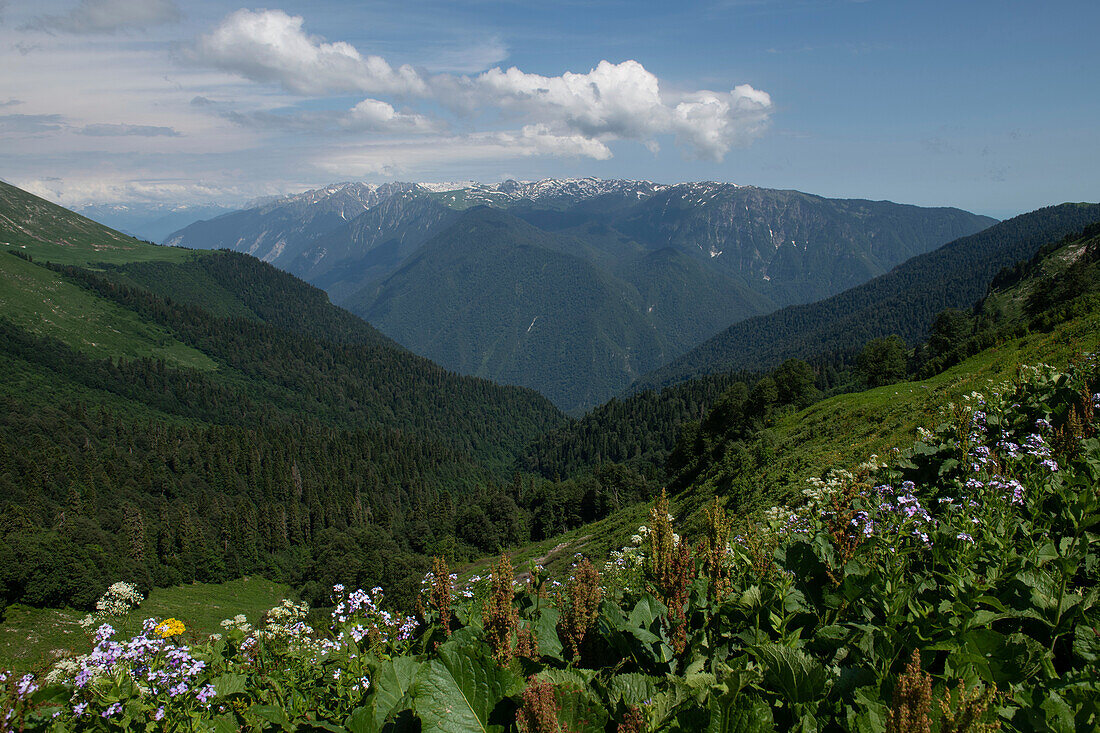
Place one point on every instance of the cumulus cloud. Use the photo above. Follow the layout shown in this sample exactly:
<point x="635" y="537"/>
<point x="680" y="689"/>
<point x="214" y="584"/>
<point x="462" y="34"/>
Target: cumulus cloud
<point x="613" y="101"/>
<point x="110" y="16"/>
<point x="379" y="116"/>
<point x="270" y="46"/>
<point x="121" y="129"/>
<point x="624" y="101"/>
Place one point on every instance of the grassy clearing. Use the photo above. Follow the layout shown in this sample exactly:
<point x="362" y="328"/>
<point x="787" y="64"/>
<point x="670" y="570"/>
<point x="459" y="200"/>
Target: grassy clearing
<point x="43" y="302"/>
<point x="114" y="253"/>
<point x="31" y="638"/>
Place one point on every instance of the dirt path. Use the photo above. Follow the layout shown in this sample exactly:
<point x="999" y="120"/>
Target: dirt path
<point x="558" y="550"/>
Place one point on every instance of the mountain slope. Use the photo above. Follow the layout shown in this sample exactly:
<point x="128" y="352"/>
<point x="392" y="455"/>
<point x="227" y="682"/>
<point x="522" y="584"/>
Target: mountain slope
<point x="255" y="326"/>
<point x="277" y="231"/>
<point x="495" y="297"/>
<point x="686" y="261"/>
<point x="901" y="302"/>
<point x="372" y="245"/>
<point x="791" y="246"/>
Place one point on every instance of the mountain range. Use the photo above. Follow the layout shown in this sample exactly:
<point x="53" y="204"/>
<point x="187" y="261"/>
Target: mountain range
<point x="575" y="288"/>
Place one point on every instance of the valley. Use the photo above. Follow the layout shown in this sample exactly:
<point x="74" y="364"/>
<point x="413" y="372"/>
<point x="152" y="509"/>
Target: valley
<point x="186" y="419"/>
<point x="621" y="277"/>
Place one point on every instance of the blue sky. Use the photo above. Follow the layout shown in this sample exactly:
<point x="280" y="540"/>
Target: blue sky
<point x="989" y="106"/>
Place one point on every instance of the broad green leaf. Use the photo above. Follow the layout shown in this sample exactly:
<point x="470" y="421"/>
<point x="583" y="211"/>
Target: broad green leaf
<point x="391" y="683"/>
<point x="797" y="676"/>
<point x="646" y="612"/>
<point x="632" y="688"/>
<point x="1058" y="715"/>
<point x="457" y="692"/>
<point x="737" y="713"/>
<point x="271" y="714"/>
<point x="230" y="684"/>
<point x="546" y="632"/>
<point x="580" y="711"/>
<point x="1086" y="643"/>
<point x="362" y="720"/>
<point x="225" y="724"/>
<point x="578" y="677"/>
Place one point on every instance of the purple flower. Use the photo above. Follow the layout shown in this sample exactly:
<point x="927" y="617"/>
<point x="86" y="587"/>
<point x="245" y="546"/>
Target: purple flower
<point x="159" y="714"/>
<point x="964" y="537"/>
<point x="25" y="686"/>
<point x="79" y="709"/>
<point x="206" y="693"/>
<point x="114" y="709"/>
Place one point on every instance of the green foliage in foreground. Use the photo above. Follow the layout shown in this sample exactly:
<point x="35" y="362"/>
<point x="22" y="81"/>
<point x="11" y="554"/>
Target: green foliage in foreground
<point x="978" y="547"/>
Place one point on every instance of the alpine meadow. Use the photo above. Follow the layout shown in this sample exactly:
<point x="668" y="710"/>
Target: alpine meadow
<point x="499" y="367"/>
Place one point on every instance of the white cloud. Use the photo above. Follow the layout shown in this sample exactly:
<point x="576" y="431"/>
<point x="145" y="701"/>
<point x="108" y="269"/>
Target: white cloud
<point x="378" y="116"/>
<point x="712" y="122"/>
<point x="624" y="101"/>
<point x="109" y="16"/>
<point x="270" y="46"/>
<point x="613" y="101"/>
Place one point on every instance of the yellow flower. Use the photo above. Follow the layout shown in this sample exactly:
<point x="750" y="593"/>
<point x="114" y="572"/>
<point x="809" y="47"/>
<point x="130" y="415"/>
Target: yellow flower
<point x="169" y="627"/>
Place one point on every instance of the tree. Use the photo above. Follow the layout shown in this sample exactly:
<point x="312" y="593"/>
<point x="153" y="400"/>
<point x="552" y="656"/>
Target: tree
<point x="794" y="382"/>
<point x="882" y="361"/>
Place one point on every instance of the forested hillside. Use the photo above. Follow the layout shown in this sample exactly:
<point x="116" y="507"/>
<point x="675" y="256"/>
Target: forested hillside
<point x="901" y="302"/>
<point x="175" y="416"/>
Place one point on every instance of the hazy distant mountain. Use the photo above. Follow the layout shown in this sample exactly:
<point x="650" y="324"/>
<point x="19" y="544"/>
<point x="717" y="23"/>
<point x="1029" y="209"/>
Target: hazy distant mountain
<point x="686" y="261"/>
<point x="151" y="222"/>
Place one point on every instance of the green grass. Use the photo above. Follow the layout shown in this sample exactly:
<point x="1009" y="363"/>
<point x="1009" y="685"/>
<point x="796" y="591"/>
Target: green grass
<point x="49" y="232"/>
<point x="43" y="302"/>
<point x="31" y="638"/>
<point x="114" y="254"/>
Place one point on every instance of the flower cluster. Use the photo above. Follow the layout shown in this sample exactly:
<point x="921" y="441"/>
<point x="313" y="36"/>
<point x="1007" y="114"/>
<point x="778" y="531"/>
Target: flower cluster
<point x="360" y="615"/>
<point x="153" y="665"/>
<point x="237" y="623"/>
<point x="118" y="600"/>
<point x="168" y="628"/>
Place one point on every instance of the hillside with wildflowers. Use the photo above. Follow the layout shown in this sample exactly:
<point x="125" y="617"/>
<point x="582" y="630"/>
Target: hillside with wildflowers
<point x="922" y="556"/>
<point x="950" y="587"/>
